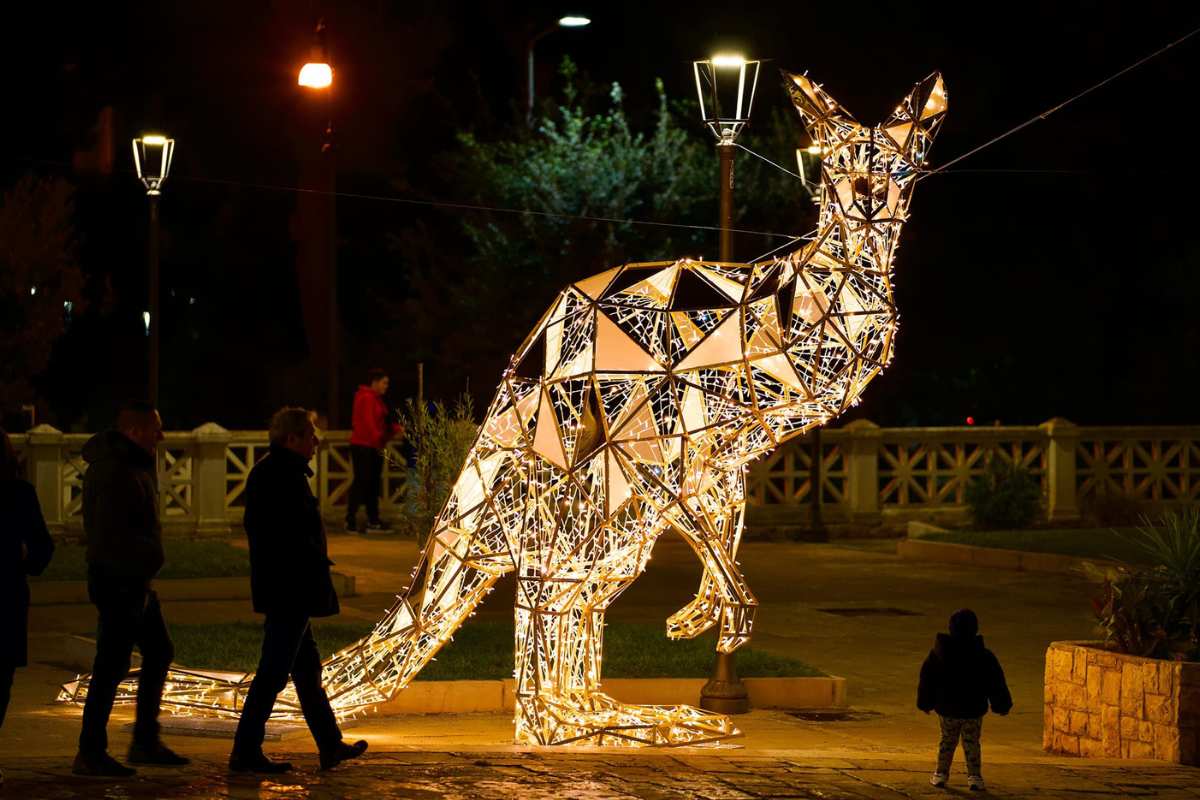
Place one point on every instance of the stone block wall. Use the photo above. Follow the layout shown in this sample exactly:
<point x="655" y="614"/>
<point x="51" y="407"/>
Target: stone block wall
<point x="1101" y="704"/>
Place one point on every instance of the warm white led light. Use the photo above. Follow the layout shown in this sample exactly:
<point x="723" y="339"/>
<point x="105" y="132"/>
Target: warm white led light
<point x="728" y="60"/>
<point x="632" y="409"/>
<point x="152" y="154"/>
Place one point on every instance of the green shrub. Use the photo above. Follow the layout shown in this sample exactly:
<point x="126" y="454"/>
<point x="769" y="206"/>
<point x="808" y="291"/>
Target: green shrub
<point x="1005" y="496"/>
<point x="1154" y="610"/>
<point x="1111" y="509"/>
<point x="441" y="439"/>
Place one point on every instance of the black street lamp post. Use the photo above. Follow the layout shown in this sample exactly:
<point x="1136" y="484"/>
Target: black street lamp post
<point x="317" y="77"/>
<point x="563" y="22"/>
<point x="152" y="154"/>
<point x="725" y="86"/>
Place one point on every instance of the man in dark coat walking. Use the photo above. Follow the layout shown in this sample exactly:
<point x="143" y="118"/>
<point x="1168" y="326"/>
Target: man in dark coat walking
<point x="25" y="549"/>
<point x="959" y="679"/>
<point x="124" y="553"/>
<point x="290" y="583"/>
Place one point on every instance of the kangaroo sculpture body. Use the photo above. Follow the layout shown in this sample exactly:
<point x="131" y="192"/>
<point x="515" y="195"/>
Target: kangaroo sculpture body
<point x="632" y="409"/>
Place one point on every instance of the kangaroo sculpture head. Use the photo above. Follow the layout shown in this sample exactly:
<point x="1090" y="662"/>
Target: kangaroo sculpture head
<point x="834" y="321"/>
<point x="867" y="174"/>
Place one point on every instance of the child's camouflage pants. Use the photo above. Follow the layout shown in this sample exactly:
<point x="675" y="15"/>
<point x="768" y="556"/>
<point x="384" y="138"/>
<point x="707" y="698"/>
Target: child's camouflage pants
<point x="968" y="730"/>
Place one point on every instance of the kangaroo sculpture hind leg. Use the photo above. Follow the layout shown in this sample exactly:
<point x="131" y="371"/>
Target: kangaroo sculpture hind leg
<point x="634" y="407"/>
<point x="561" y="603"/>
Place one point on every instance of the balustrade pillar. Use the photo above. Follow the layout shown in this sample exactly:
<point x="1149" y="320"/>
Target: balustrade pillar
<point x="208" y="471"/>
<point x="44" y="469"/>
<point x="1062" y="440"/>
<point x="862" y="470"/>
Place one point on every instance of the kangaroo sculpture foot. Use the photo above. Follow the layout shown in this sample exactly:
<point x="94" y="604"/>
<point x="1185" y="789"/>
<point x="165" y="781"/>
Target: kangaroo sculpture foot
<point x="594" y="718"/>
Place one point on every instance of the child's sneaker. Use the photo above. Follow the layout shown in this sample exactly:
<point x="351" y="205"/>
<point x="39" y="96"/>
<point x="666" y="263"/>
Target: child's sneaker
<point x="975" y="783"/>
<point x="937" y="779"/>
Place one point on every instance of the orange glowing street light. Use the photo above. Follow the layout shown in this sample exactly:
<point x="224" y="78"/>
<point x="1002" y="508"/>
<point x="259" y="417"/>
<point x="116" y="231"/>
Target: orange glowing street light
<point x="316" y="75"/>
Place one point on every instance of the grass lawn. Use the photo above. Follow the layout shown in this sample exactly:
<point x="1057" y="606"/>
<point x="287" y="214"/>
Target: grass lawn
<point x="185" y="559"/>
<point x="1084" y="542"/>
<point x="484" y="651"/>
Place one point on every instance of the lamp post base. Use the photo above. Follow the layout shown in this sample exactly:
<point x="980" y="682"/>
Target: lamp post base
<point x="725" y="693"/>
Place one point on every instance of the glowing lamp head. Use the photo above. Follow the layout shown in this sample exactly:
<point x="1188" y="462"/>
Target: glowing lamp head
<point x="152" y="154"/>
<point x="574" y="21"/>
<point x="725" y="86"/>
<point x="316" y="75"/>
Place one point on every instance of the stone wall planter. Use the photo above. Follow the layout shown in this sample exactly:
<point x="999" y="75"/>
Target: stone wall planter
<point x="1101" y="704"/>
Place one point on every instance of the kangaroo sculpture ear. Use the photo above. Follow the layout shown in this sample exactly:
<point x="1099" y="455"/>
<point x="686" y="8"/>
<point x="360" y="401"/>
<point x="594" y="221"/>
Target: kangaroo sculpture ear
<point x="915" y="122"/>
<point x="826" y="121"/>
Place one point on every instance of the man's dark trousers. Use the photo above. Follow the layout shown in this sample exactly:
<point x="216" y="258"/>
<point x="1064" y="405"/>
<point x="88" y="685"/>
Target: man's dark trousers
<point x="129" y="615"/>
<point x="288" y="649"/>
<point x="368" y="481"/>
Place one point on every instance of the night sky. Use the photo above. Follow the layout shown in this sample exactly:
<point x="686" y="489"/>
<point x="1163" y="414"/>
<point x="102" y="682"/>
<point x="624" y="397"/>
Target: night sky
<point x="1054" y="274"/>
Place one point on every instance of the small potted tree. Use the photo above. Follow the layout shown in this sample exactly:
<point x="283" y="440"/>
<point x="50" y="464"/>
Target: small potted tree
<point x="1136" y="693"/>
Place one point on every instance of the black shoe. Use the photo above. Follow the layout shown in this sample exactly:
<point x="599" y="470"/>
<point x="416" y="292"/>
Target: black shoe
<point x="377" y="527"/>
<point x="351" y="525"/>
<point x="157" y="754"/>
<point x="342" y="752"/>
<point x="257" y="762"/>
<point x="100" y="765"/>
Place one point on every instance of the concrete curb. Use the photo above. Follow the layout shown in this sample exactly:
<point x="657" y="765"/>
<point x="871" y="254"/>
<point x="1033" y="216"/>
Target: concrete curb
<point x="993" y="557"/>
<point x="466" y="697"/>
<point x="48" y="593"/>
<point x="463" y="697"/>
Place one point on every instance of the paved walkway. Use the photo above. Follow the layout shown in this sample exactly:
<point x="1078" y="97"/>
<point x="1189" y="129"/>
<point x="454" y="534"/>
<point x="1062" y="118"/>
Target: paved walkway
<point x="534" y="775"/>
<point x="882" y="749"/>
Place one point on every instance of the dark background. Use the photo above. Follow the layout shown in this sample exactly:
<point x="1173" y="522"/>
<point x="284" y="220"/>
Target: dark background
<point x="1054" y="274"/>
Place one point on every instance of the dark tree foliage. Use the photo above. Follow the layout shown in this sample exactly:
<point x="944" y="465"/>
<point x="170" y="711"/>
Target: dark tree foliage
<point x="597" y="189"/>
<point x="40" y="282"/>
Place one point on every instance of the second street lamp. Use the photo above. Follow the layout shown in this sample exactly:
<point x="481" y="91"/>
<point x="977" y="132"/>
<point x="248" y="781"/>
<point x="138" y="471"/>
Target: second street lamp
<point x="570" y="21"/>
<point x="725" y="86"/>
<point x="152" y="154"/>
<point x="316" y="78"/>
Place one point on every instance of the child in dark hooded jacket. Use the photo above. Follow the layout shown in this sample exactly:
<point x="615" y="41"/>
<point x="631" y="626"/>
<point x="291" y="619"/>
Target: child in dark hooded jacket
<point x="959" y="680"/>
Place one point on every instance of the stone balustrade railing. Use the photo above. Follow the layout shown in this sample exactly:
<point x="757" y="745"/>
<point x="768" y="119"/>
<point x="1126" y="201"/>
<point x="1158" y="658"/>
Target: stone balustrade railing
<point x="870" y="475"/>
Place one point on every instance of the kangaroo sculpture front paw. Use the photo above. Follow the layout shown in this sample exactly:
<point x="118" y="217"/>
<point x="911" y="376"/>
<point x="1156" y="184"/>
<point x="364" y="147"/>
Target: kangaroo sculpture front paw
<point x="694" y="619"/>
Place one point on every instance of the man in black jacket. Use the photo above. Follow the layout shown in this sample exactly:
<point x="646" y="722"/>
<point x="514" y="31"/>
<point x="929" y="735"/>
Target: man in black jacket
<point x="959" y="679"/>
<point x="124" y="553"/>
<point x="290" y="583"/>
<point x="25" y="549"/>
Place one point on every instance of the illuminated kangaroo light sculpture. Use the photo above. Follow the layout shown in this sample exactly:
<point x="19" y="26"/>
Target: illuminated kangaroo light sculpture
<point x="632" y="409"/>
